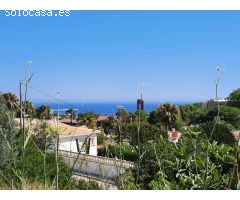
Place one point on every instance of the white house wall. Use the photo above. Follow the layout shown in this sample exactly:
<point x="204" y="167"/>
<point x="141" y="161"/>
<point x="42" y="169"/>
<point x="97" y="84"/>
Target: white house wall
<point x="93" y="146"/>
<point x="70" y="145"/>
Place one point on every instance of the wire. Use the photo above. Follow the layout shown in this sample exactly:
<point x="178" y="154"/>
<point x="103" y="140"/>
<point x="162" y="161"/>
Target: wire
<point x="50" y="96"/>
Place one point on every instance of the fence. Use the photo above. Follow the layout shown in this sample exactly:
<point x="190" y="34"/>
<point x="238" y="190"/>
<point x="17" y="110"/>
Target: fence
<point x="98" y="159"/>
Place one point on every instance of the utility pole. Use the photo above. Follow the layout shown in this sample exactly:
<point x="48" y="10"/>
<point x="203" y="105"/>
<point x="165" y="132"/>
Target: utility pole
<point x="57" y="142"/>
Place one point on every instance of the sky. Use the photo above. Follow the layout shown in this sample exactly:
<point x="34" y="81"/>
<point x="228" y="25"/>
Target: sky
<point x="104" y="56"/>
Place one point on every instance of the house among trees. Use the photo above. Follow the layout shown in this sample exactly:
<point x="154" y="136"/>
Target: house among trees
<point x="102" y="118"/>
<point x="77" y="139"/>
<point x="73" y="139"/>
<point x="84" y="144"/>
<point x="214" y="102"/>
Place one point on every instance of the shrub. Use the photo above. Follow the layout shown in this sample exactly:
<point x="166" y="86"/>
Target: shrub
<point x="183" y="166"/>
<point x="101" y="139"/>
<point x="234" y="98"/>
<point x="228" y="114"/>
<point x="125" y="152"/>
<point x="37" y="171"/>
<point x="87" y="185"/>
<point x="8" y="134"/>
<point x="147" y="132"/>
<point x="91" y="126"/>
<point x="220" y="132"/>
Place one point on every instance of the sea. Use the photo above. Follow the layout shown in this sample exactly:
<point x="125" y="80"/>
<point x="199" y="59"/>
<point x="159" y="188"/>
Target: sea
<point x="103" y="108"/>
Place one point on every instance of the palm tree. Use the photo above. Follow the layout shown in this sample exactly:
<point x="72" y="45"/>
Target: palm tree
<point x="11" y="102"/>
<point x="167" y="114"/>
<point x="30" y="110"/>
<point x="43" y="112"/>
<point x="122" y="115"/>
<point x="72" y="114"/>
<point x="87" y="118"/>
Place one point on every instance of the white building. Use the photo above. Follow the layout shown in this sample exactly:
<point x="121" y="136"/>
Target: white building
<point x="71" y="138"/>
<point x="77" y="139"/>
<point x="85" y="144"/>
<point x="214" y="102"/>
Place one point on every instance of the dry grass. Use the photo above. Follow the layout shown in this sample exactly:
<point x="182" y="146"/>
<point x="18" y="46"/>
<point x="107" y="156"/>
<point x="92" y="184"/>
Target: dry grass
<point x="30" y="186"/>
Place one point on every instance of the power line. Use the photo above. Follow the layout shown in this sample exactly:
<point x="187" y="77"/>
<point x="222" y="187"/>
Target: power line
<point x="49" y="96"/>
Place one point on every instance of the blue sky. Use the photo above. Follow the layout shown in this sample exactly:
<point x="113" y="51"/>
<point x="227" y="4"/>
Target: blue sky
<point x="103" y="56"/>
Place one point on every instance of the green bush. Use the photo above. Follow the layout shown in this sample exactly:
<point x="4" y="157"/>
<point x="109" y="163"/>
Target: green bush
<point x="87" y="185"/>
<point x="125" y="152"/>
<point x="36" y="171"/>
<point x="83" y="185"/>
<point x="91" y="126"/>
<point x="193" y="113"/>
<point x="228" y="114"/>
<point x="8" y="132"/>
<point x="220" y="132"/>
<point x="101" y="139"/>
<point x="183" y="166"/>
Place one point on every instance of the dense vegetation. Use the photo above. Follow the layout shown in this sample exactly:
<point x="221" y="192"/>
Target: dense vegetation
<point x="31" y="164"/>
<point x="183" y="166"/>
<point x="206" y="156"/>
<point x="123" y="151"/>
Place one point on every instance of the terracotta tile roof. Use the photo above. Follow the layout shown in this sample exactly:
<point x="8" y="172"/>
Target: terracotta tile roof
<point x="102" y="118"/>
<point x="68" y="121"/>
<point x="64" y="129"/>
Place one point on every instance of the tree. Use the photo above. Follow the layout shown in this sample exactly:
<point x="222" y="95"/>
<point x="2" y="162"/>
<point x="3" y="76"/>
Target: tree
<point x="109" y="125"/>
<point x="43" y="112"/>
<point x="11" y="102"/>
<point x="152" y="119"/>
<point x="8" y="133"/>
<point x="220" y="132"/>
<point x="29" y="109"/>
<point x="72" y="114"/>
<point x="88" y="118"/>
<point x="228" y="114"/>
<point x="122" y="115"/>
<point x="167" y="114"/>
<point x="138" y="115"/>
<point x="193" y="113"/>
<point x="234" y="98"/>
<point x="147" y="133"/>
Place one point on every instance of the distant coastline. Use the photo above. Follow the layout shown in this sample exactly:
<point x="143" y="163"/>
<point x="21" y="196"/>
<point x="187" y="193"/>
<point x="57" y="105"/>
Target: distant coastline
<point x="104" y="108"/>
